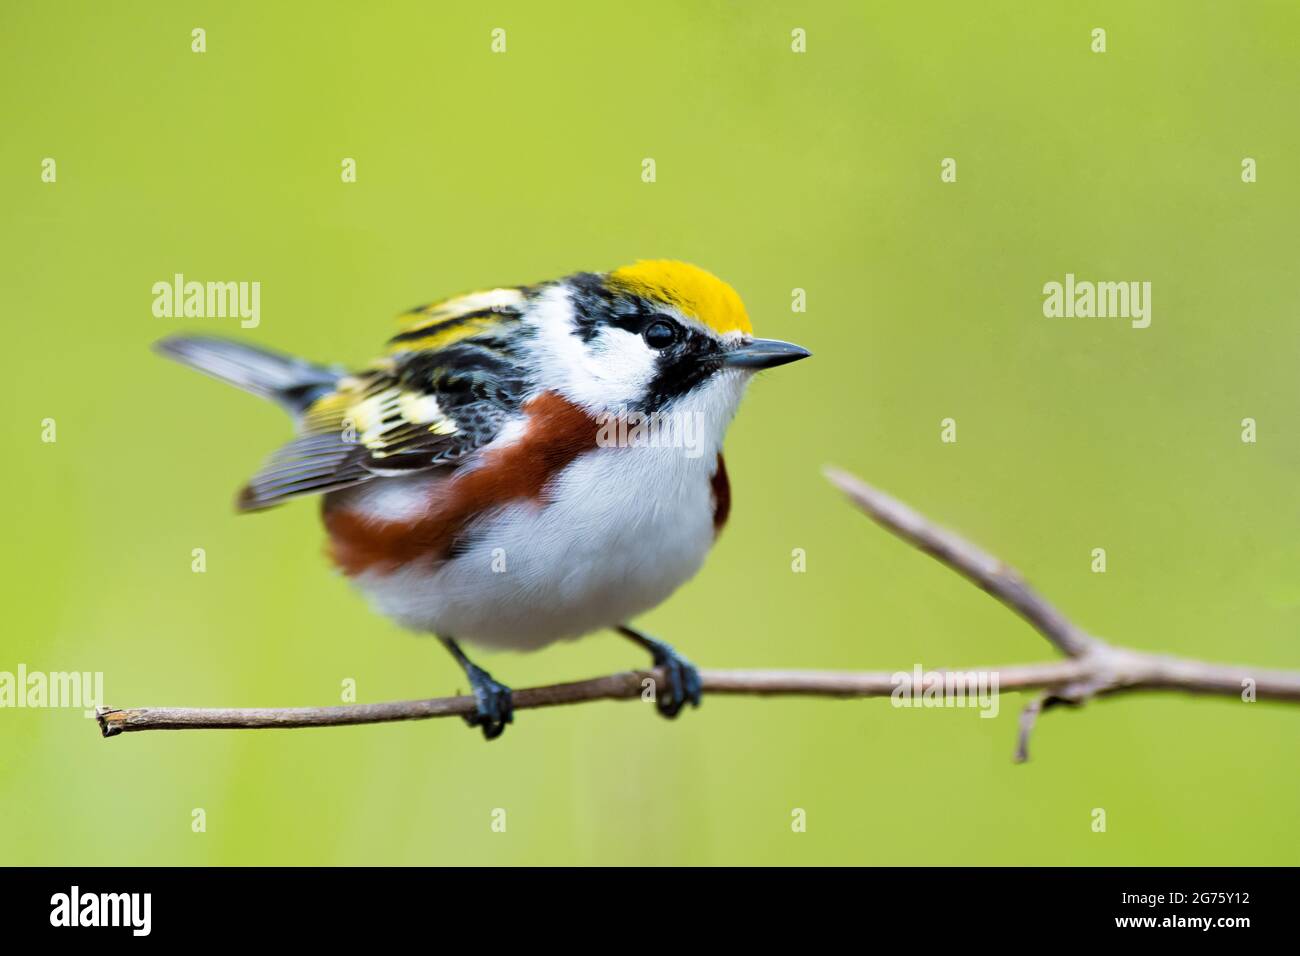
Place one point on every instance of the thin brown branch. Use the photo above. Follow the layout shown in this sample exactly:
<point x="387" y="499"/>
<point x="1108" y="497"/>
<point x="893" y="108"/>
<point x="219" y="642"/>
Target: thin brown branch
<point x="1028" y="718"/>
<point x="1092" y="666"/>
<point x="625" y="686"/>
<point x="1146" y="671"/>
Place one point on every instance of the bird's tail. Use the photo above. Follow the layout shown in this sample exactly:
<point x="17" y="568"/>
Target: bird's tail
<point x="292" y="383"/>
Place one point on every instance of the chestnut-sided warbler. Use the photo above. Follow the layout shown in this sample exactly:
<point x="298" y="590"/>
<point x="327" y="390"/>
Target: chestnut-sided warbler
<point x="524" y="464"/>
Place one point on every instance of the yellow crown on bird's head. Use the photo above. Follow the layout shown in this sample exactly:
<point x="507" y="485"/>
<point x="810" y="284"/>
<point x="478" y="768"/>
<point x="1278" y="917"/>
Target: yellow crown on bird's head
<point x="691" y="290"/>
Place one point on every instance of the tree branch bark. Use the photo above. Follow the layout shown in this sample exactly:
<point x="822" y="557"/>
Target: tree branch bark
<point x="1092" y="667"/>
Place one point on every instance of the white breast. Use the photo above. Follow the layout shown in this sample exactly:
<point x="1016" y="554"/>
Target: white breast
<point x="621" y="530"/>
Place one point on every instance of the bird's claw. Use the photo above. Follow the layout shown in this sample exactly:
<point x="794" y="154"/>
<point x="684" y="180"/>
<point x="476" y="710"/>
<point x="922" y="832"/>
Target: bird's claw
<point x="683" y="681"/>
<point x="495" y="704"/>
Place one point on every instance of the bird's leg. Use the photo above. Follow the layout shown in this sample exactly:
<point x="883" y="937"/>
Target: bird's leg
<point x="683" y="678"/>
<point x="495" y="708"/>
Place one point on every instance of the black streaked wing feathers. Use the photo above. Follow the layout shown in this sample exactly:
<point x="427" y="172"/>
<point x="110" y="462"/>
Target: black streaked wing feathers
<point x="410" y="411"/>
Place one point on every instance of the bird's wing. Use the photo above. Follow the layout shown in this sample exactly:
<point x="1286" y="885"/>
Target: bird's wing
<point x="449" y="382"/>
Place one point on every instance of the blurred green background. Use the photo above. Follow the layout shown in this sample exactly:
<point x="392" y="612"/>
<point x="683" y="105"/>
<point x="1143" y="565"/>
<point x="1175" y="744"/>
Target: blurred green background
<point x="776" y="170"/>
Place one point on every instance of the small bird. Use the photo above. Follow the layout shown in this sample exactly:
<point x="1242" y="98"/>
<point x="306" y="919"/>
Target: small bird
<point x="524" y="464"/>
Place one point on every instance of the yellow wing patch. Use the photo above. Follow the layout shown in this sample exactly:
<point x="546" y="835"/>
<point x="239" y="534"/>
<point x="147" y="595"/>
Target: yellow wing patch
<point x="455" y="319"/>
<point x="372" y="411"/>
<point x="443" y="333"/>
<point x="693" y="291"/>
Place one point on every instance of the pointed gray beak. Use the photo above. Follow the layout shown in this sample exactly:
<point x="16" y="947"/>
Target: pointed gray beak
<point x="764" y="353"/>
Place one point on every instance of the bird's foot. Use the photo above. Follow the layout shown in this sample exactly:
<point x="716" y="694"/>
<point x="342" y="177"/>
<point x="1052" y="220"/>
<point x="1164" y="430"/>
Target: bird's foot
<point x="495" y="706"/>
<point x="683" y="679"/>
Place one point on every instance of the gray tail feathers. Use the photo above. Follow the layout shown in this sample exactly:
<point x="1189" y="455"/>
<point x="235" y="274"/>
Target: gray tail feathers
<point x="291" y="382"/>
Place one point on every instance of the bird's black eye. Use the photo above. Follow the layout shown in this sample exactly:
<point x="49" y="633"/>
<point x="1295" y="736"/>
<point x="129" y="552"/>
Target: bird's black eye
<point x="660" y="334"/>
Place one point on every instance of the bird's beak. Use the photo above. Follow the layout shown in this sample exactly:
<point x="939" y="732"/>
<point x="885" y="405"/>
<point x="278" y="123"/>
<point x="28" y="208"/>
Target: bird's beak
<point x="764" y="353"/>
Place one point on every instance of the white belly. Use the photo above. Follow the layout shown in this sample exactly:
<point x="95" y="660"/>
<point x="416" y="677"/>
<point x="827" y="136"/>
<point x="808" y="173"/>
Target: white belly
<point x="623" y="528"/>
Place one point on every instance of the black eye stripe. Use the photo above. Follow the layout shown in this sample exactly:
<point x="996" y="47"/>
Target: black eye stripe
<point x="675" y="375"/>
